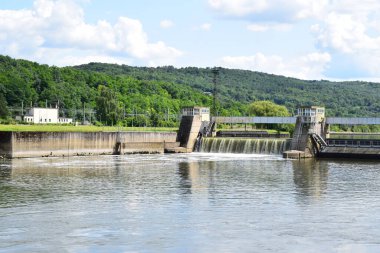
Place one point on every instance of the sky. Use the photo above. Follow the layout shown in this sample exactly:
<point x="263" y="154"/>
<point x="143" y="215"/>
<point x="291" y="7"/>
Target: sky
<point x="307" y="39"/>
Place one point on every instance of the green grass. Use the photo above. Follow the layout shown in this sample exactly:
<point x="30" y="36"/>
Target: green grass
<point x="69" y="128"/>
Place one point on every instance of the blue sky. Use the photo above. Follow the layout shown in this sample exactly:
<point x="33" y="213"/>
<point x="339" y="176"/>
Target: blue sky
<point x="308" y="39"/>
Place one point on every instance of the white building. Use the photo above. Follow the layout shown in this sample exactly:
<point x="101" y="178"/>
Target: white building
<point x="38" y="115"/>
<point x="204" y="112"/>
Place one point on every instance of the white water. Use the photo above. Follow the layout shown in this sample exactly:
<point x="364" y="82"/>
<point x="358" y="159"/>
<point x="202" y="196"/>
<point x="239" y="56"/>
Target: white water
<point x="244" y="146"/>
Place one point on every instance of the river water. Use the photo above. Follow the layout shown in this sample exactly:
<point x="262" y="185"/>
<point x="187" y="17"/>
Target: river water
<point x="189" y="203"/>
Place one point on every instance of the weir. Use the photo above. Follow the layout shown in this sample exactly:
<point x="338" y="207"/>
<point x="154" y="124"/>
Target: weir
<point x="244" y="146"/>
<point x="311" y="134"/>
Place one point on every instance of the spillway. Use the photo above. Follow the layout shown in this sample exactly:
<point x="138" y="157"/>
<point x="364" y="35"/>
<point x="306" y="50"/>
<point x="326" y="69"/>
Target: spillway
<point x="244" y="145"/>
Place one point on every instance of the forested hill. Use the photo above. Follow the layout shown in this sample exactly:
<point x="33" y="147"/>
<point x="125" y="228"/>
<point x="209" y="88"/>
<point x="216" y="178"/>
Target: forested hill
<point x="340" y="98"/>
<point x="155" y="95"/>
<point x="113" y="98"/>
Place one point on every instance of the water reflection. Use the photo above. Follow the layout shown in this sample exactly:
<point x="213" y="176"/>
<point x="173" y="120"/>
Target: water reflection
<point x="63" y="167"/>
<point x="188" y="203"/>
<point x="31" y="181"/>
<point x="310" y="178"/>
<point x="5" y="170"/>
<point x="197" y="177"/>
<point x="185" y="183"/>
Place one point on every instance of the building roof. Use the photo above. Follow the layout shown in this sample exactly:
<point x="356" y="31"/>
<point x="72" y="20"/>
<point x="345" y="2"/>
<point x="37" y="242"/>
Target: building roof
<point x="44" y="108"/>
<point x="311" y="107"/>
<point x="194" y="107"/>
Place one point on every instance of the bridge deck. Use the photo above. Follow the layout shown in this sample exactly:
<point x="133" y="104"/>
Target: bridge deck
<point x="352" y="121"/>
<point x="256" y="120"/>
<point x="292" y="120"/>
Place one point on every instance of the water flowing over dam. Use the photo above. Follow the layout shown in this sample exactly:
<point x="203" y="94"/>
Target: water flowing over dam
<point x="244" y="146"/>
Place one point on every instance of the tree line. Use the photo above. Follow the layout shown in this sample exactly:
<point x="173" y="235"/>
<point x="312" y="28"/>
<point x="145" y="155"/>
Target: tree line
<point x="125" y="95"/>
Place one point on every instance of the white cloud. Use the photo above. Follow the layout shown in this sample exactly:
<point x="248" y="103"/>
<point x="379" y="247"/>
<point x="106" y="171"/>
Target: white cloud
<point x="309" y="66"/>
<point x="347" y="27"/>
<point x="344" y="33"/>
<point x="205" y="27"/>
<point x="352" y="28"/>
<point x="60" y="25"/>
<point x="239" y="7"/>
<point x="256" y="27"/>
<point x="283" y="9"/>
<point x="76" y="57"/>
<point x="166" y="23"/>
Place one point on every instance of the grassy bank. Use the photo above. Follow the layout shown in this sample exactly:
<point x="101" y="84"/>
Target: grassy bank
<point x="69" y="128"/>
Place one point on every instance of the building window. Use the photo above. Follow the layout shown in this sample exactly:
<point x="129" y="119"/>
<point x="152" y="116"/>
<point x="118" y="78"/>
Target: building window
<point x="321" y="111"/>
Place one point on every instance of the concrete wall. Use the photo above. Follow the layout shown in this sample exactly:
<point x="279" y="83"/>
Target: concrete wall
<point x="300" y="136"/>
<point x="6" y="144"/>
<point x="37" y="144"/>
<point x="142" y="147"/>
<point x="350" y="152"/>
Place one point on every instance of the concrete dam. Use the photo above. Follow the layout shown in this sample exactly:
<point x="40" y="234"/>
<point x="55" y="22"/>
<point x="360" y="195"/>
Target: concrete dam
<point x="40" y="144"/>
<point x="45" y="144"/>
<point x="197" y="133"/>
<point x="311" y="137"/>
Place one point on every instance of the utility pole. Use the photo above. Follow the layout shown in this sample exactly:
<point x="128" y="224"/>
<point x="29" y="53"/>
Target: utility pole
<point x="123" y="112"/>
<point x="215" y="72"/>
<point x="133" y="115"/>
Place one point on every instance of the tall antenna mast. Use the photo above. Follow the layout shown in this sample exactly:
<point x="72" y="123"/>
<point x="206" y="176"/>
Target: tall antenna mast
<point x="215" y="72"/>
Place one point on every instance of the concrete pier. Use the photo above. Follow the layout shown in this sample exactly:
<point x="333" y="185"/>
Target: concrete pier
<point x="188" y="133"/>
<point x="296" y="154"/>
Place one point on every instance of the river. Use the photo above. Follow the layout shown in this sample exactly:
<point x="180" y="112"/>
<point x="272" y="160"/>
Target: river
<point x="189" y="203"/>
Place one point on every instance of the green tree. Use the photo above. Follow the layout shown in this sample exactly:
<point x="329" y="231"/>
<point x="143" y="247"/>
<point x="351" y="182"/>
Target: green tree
<point x="108" y="109"/>
<point x="267" y="108"/>
<point x="3" y="107"/>
<point x="4" y="112"/>
<point x="270" y="109"/>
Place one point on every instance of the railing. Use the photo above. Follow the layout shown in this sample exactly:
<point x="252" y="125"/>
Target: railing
<point x="255" y="120"/>
<point x="251" y="134"/>
<point x="353" y="143"/>
<point x="319" y="141"/>
<point x="352" y="121"/>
